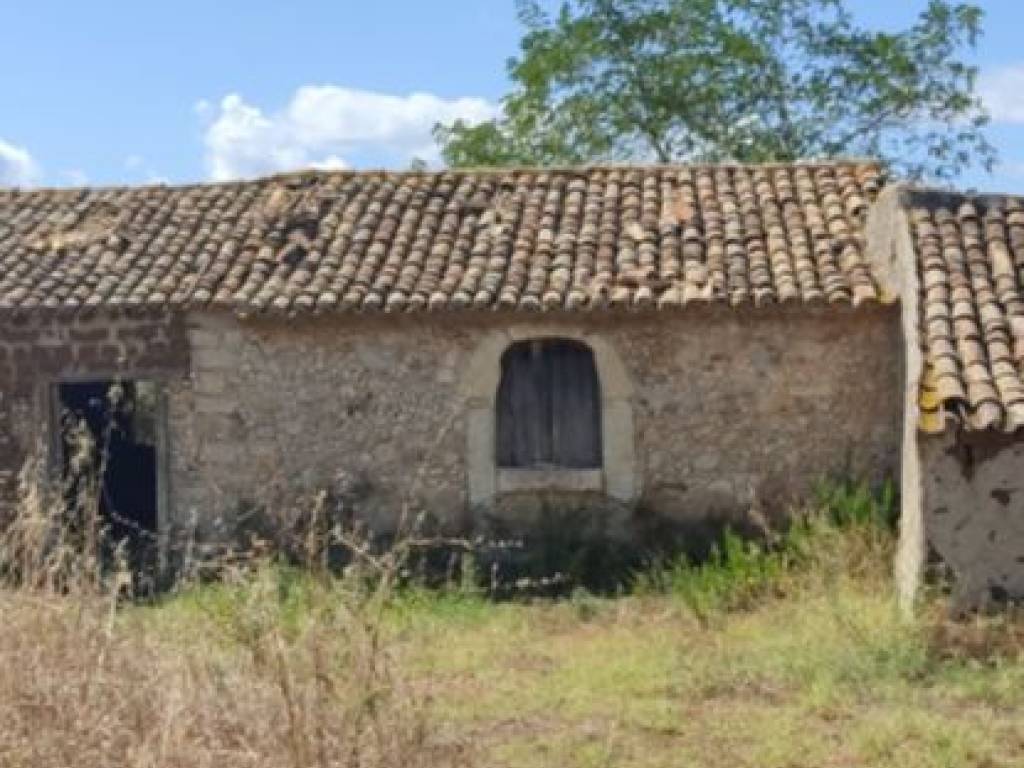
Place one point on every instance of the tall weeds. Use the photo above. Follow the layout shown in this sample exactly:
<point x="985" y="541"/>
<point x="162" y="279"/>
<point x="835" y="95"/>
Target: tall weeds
<point x="847" y="533"/>
<point x="85" y="683"/>
<point x="297" y="666"/>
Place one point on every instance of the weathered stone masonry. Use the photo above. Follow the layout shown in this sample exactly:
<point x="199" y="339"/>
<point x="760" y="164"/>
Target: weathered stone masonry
<point x="742" y="321"/>
<point x="728" y="406"/>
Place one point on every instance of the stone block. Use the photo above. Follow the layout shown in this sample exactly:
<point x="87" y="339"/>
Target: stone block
<point x="214" y="404"/>
<point x="222" y="455"/>
<point x="480" y="455"/>
<point x="213" y="358"/>
<point x="210" y="383"/>
<point x="205" y="339"/>
<point x="91" y="333"/>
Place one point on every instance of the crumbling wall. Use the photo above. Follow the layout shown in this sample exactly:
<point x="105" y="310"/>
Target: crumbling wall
<point x="974" y="512"/>
<point x="731" y="407"/>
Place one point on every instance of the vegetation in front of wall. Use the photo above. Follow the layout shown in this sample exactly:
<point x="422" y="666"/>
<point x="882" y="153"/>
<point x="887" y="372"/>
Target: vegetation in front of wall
<point x="789" y="652"/>
<point x="267" y="664"/>
<point x="849" y="503"/>
<point x="847" y="530"/>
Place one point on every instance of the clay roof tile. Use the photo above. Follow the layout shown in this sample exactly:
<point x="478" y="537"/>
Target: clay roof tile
<point x="556" y="239"/>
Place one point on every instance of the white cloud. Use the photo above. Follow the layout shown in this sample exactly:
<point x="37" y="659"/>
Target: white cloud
<point x="328" y="126"/>
<point x="330" y="163"/>
<point x="1002" y="91"/>
<point x="17" y="167"/>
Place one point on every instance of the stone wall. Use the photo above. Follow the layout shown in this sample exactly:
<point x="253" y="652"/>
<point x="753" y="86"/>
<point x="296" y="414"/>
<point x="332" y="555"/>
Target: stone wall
<point x="731" y="408"/>
<point x="973" y="491"/>
<point x="37" y="352"/>
<point x="754" y="407"/>
<point x="300" y="405"/>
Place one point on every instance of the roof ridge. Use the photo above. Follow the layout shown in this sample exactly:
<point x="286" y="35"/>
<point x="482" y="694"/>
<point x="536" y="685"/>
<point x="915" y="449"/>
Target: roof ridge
<point x="306" y="173"/>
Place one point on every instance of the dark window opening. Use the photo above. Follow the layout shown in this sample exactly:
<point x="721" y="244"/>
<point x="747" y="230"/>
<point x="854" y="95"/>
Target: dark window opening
<point x="549" y="406"/>
<point x="108" y="433"/>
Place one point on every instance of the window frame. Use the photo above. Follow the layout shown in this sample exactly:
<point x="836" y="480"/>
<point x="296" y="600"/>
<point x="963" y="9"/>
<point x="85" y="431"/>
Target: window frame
<point x="556" y="387"/>
<point x="619" y="476"/>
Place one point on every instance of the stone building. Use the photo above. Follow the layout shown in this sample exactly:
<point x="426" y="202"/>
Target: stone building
<point x="960" y="261"/>
<point x="666" y="349"/>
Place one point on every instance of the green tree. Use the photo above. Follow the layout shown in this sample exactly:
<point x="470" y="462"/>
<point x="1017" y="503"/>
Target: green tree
<point x="734" y="80"/>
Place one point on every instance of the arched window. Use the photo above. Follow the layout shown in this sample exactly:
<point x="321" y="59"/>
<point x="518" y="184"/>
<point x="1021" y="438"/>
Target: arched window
<point x="549" y="406"/>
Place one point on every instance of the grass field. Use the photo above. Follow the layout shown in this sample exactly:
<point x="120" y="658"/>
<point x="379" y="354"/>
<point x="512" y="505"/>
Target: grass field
<point x="797" y="657"/>
<point x="829" y="679"/>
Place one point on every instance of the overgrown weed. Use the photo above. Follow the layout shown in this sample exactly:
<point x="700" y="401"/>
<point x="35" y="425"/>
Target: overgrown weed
<point x="795" y="643"/>
<point x="848" y="533"/>
<point x="272" y="665"/>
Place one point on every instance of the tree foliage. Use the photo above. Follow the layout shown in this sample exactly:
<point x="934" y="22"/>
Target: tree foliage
<point x="734" y="80"/>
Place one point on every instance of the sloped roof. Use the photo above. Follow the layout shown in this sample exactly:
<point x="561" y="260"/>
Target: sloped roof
<point x="514" y="239"/>
<point x="970" y="267"/>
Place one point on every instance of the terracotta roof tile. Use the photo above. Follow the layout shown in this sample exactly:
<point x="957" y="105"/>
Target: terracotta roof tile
<point x="516" y="239"/>
<point x="970" y="263"/>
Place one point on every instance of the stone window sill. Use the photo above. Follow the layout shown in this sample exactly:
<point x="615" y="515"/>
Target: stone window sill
<point x="549" y="479"/>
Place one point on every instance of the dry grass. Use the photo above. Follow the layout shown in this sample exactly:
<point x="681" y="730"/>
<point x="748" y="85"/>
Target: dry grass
<point x="798" y="661"/>
<point x="82" y="684"/>
<point x="89" y="678"/>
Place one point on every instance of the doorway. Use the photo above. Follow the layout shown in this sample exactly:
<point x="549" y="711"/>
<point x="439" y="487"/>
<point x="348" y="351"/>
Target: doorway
<point x="108" y="442"/>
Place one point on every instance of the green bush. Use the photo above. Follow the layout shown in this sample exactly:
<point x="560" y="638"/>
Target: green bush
<point x="737" y="573"/>
<point x="850" y="503"/>
<point x="850" y="530"/>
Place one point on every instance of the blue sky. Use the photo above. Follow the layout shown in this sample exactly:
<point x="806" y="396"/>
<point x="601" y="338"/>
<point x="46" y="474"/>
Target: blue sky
<point x="119" y="92"/>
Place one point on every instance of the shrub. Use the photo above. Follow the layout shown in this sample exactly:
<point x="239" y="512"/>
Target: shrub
<point x="850" y="531"/>
<point x="849" y="503"/>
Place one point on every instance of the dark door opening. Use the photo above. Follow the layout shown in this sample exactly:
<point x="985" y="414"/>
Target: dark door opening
<point x="109" y="461"/>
